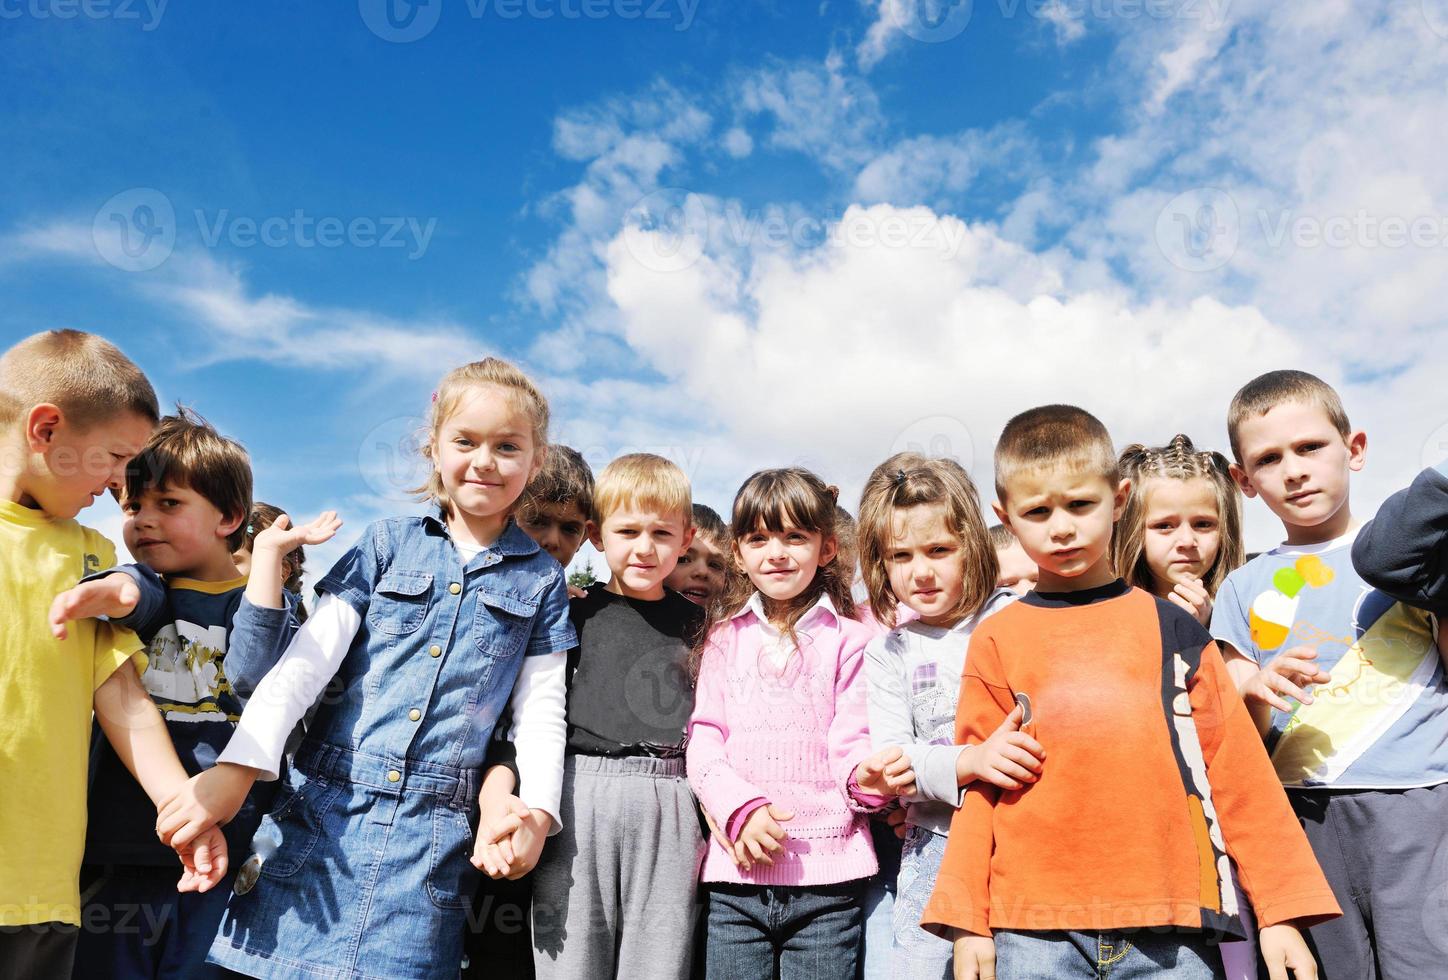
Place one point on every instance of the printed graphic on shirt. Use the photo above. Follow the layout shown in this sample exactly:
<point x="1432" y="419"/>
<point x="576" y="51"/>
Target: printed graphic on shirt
<point x="1391" y="660"/>
<point x="932" y="706"/>
<point x="1216" y="894"/>
<point x="92" y="564"/>
<point x="1275" y="610"/>
<point x="184" y="675"/>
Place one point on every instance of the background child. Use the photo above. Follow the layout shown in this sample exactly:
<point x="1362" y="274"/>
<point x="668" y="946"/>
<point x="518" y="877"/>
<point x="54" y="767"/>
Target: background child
<point x="702" y="573"/>
<point x="434" y="623"/>
<point x="73" y="412"/>
<point x="1364" y="752"/>
<point x="1048" y="880"/>
<point x="1017" y="571"/>
<point x="1180" y="535"/>
<point x="554" y="510"/>
<point x="263" y="515"/>
<point x="186" y="499"/>
<point x="924" y="546"/>
<point x="778" y="736"/>
<point x="1403" y="552"/>
<point x="613" y="895"/>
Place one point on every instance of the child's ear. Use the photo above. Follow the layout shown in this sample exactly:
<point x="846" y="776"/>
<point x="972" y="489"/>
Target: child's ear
<point x="539" y="458"/>
<point x="1243" y="481"/>
<point x="40" y="426"/>
<point x="595" y="534"/>
<point x="1000" y="512"/>
<point x="688" y="538"/>
<point x="829" y="548"/>
<point x="228" y="526"/>
<point x="1357" y="448"/>
<point x="1118" y="502"/>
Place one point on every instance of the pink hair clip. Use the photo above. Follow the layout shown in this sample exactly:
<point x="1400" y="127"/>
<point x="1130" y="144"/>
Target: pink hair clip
<point x="434" y="398"/>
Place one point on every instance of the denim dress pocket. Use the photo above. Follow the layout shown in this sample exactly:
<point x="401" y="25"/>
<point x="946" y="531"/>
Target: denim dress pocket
<point x="503" y="623"/>
<point x="399" y="603"/>
<point x="297" y="823"/>
<point x="451" y="877"/>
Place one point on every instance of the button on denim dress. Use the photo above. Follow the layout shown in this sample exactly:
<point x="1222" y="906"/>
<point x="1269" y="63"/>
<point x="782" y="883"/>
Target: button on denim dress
<point x="364" y="856"/>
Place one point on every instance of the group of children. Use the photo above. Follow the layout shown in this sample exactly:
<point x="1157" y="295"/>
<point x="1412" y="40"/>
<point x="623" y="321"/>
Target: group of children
<point x="1092" y="741"/>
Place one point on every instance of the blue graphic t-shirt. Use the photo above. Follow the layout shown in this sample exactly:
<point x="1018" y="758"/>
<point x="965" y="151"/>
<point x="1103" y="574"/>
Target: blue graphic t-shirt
<point x="1381" y="721"/>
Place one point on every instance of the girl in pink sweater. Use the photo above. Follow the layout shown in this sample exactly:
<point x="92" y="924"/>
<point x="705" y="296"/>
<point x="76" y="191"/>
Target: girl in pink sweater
<point x="778" y="749"/>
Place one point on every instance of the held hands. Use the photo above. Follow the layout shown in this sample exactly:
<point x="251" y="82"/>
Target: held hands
<point x="762" y="836"/>
<point x="204" y="801"/>
<point x="896" y="820"/>
<point x="1192" y="596"/>
<point x="281" y="538"/>
<point x="114" y="595"/>
<point x="203" y="861"/>
<point x="1284" y="949"/>
<point x="1288" y="674"/>
<point x="886" y="773"/>
<point x="974" y="957"/>
<point x="1009" y="759"/>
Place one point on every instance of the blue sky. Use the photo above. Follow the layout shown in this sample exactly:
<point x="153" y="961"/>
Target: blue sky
<point x="740" y="234"/>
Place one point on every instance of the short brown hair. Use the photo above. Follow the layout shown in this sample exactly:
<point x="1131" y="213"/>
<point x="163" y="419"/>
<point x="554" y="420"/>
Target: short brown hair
<point x="909" y="480"/>
<point x="1052" y="436"/>
<point x="85" y="376"/>
<point x="1001" y="537"/>
<point x="564" y="479"/>
<point x="708" y="523"/>
<point x="643" y="480"/>
<point x="264" y="515"/>
<point x="1179" y="460"/>
<point x="1267" y="391"/>
<point x="186" y="451"/>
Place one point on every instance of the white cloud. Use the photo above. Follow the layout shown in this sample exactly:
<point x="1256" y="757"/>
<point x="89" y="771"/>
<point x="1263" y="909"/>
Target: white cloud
<point x="821" y="110"/>
<point x="738" y="143"/>
<point x="928" y="169"/>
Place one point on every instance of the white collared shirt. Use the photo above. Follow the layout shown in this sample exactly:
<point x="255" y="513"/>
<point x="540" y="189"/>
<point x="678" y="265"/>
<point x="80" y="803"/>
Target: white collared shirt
<point x="776" y="645"/>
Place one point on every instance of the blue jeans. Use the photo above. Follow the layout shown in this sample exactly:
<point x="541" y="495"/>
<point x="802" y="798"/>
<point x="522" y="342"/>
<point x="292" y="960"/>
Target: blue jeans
<point x="762" y="932"/>
<point x="137" y="926"/>
<point x="1135" y="955"/>
<point x="878" y="936"/>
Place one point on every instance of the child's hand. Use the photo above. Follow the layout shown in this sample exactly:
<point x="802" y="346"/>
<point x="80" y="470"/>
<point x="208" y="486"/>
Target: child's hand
<point x="718" y="836"/>
<point x="527" y="843"/>
<point x="281" y="538"/>
<point x="886" y="773"/>
<point x="761" y="836"/>
<point x="896" y="819"/>
<point x="1284" y="949"/>
<point x="203" y="861"/>
<point x="207" y="799"/>
<point x="1286" y="675"/>
<point x="1192" y="596"/>
<point x="113" y="595"/>
<point x="974" y="957"/>
<point x="574" y="592"/>
<point x="497" y="823"/>
<point x="1009" y="759"/>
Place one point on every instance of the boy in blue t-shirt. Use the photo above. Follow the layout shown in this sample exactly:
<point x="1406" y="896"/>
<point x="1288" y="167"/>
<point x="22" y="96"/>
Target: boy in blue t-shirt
<point x="1363" y="751"/>
<point x="186" y="502"/>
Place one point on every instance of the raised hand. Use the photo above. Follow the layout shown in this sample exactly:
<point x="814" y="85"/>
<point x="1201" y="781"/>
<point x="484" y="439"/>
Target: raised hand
<point x="282" y="538"/>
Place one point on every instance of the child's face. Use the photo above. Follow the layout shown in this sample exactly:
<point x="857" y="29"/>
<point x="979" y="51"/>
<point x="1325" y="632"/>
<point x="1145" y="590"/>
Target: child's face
<point x="1063" y="520"/>
<point x="1294" y="457"/>
<point x="485" y="453"/>
<point x="924" y="564"/>
<point x="177" y="531"/>
<point x="1018" y="572"/>
<point x="242" y="559"/>
<point x="702" y="571"/>
<point x="77" y="466"/>
<point x="782" y="564"/>
<point x="559" y="529"/>
<point x="641" y="547"/>
<point x="1182" y="531"/>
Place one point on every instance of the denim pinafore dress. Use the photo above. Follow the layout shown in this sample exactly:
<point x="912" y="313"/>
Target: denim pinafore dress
<point x="365" y="869"/>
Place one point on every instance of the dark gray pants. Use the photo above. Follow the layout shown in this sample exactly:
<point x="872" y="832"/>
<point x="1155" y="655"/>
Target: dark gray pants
<point x="614" y="893"/>
<point x="1385" y="853"/>
<point x="45" y="951"/>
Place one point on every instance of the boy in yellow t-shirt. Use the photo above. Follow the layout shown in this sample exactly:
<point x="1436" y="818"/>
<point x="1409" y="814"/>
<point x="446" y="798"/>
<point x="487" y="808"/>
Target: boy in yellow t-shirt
<point x="73" y="411"/>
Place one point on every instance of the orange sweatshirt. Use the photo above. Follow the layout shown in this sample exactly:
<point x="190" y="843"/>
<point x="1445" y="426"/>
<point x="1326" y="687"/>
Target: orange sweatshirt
<point x="1154" y="773"/>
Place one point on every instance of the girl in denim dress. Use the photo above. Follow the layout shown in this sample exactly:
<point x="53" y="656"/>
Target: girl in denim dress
<point x="433" y="625"/>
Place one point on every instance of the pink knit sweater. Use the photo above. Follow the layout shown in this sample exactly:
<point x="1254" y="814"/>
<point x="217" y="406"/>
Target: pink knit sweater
<point x="792" y="737"/>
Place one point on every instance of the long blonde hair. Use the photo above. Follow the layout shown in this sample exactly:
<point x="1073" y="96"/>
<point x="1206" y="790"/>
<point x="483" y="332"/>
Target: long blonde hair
<point x="455" y="385"/>
<point x="910" y="480"/>
<point x="1178" y="460"/>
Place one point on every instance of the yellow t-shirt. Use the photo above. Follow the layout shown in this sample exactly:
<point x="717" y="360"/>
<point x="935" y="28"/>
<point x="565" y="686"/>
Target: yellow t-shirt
<point x="47" y="687"/>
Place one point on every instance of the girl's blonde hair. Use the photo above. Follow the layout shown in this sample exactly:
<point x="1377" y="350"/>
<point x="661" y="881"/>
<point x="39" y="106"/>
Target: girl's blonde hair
<point x="910" y="480"/>
<point x="451" y="391"/>
<point x="774" y="500"/>
<point x="1179" y="460"/>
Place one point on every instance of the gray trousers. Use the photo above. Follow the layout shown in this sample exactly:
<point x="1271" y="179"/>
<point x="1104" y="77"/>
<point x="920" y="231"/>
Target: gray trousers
<point x="614" y="894"/>
<point x="1385" y="853"/>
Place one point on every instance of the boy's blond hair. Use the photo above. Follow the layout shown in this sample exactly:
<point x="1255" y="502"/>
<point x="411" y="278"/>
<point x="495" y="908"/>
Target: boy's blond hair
<point x="85" y="376"/>
<point x="1054" y="436"/>
<point x="1267" y="391"/>
<point x="186" y="451"/>
<point x="645" y="481"/>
